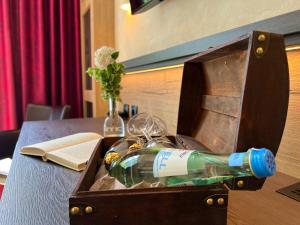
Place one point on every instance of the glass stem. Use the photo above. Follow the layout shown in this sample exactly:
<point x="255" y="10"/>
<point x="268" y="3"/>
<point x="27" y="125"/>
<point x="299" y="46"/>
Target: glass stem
<point x="146" y="134"/>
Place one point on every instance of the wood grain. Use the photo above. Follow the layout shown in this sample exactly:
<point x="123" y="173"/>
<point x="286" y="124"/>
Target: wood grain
<point x="162" y="86"/>
<point x="37" y="192"/>
<point x="87" y="94"/>
<point x="264" y="207"/>
<point x="181" y="204"/>
<point x="221" y="104"/>
<point x="224" y="76"/>
<point x="158" y="92"/>
<point x="221" y="139"/>
<point x="288" y="158"/>
<point x="102" y="34"/>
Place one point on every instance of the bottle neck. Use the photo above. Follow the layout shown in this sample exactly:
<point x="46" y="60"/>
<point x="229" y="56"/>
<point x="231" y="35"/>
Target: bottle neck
<point x="235" y="164"/>
<point x="112" y="103"/>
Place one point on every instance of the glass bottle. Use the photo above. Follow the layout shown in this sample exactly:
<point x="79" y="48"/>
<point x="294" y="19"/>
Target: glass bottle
<point x="113" y="124"/>
<point x="175" y="167"/>
<point x="122" y="147"/>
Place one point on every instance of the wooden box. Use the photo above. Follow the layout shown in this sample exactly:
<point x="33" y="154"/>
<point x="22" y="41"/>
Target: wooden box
<point x="233" y="97"/>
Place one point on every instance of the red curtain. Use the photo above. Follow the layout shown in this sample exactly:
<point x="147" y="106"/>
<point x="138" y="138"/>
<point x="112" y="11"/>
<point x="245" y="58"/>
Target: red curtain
<point x="40" y="58"/>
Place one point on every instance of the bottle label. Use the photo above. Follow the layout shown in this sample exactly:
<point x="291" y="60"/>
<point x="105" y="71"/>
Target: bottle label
<point x="171" y="162"/>
<point x="236" y="159"/>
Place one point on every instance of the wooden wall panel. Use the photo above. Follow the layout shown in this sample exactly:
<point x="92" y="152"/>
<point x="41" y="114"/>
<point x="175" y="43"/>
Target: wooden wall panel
<point x="288" y="158"/>
<point x="102" y="17"/>
<point x="102" y="33"/>
<point x="294" y="69"/>
<point x="158" y="92"/>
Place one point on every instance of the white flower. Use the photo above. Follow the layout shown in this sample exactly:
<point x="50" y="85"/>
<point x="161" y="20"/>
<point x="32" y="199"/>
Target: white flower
<point x="103" y="57"/>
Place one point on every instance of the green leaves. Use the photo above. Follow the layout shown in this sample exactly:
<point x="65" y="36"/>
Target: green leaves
<point x="110" y="78"/>
<point x="115" y="55"/>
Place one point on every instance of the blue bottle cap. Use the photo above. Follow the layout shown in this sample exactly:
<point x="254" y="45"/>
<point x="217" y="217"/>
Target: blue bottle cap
<point x="262" y="162"/>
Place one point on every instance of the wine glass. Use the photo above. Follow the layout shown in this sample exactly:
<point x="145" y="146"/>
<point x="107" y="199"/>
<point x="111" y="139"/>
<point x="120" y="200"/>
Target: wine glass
<point x="140" y="125"/>
<point x="152" y="128"/>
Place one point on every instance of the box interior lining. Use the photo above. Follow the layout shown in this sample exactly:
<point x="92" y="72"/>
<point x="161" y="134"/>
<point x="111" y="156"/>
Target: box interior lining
<point x="219" y="114"/>
<point x="217" y="89"/>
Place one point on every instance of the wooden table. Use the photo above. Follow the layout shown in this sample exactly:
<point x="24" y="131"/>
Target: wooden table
<point x="37" y="192"/>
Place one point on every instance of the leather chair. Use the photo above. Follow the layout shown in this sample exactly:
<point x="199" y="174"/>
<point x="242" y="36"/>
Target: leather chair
<point x="8" y="139"/>
<point x="44" y="112"/>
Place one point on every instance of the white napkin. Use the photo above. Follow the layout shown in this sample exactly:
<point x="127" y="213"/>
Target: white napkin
<point x="5" y="166"/>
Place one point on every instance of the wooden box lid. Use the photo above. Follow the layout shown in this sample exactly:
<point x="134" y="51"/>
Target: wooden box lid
<point x="235" y="96"/>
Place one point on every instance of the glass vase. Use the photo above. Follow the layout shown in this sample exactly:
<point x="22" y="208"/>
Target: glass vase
<point x="113" y="124"/>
